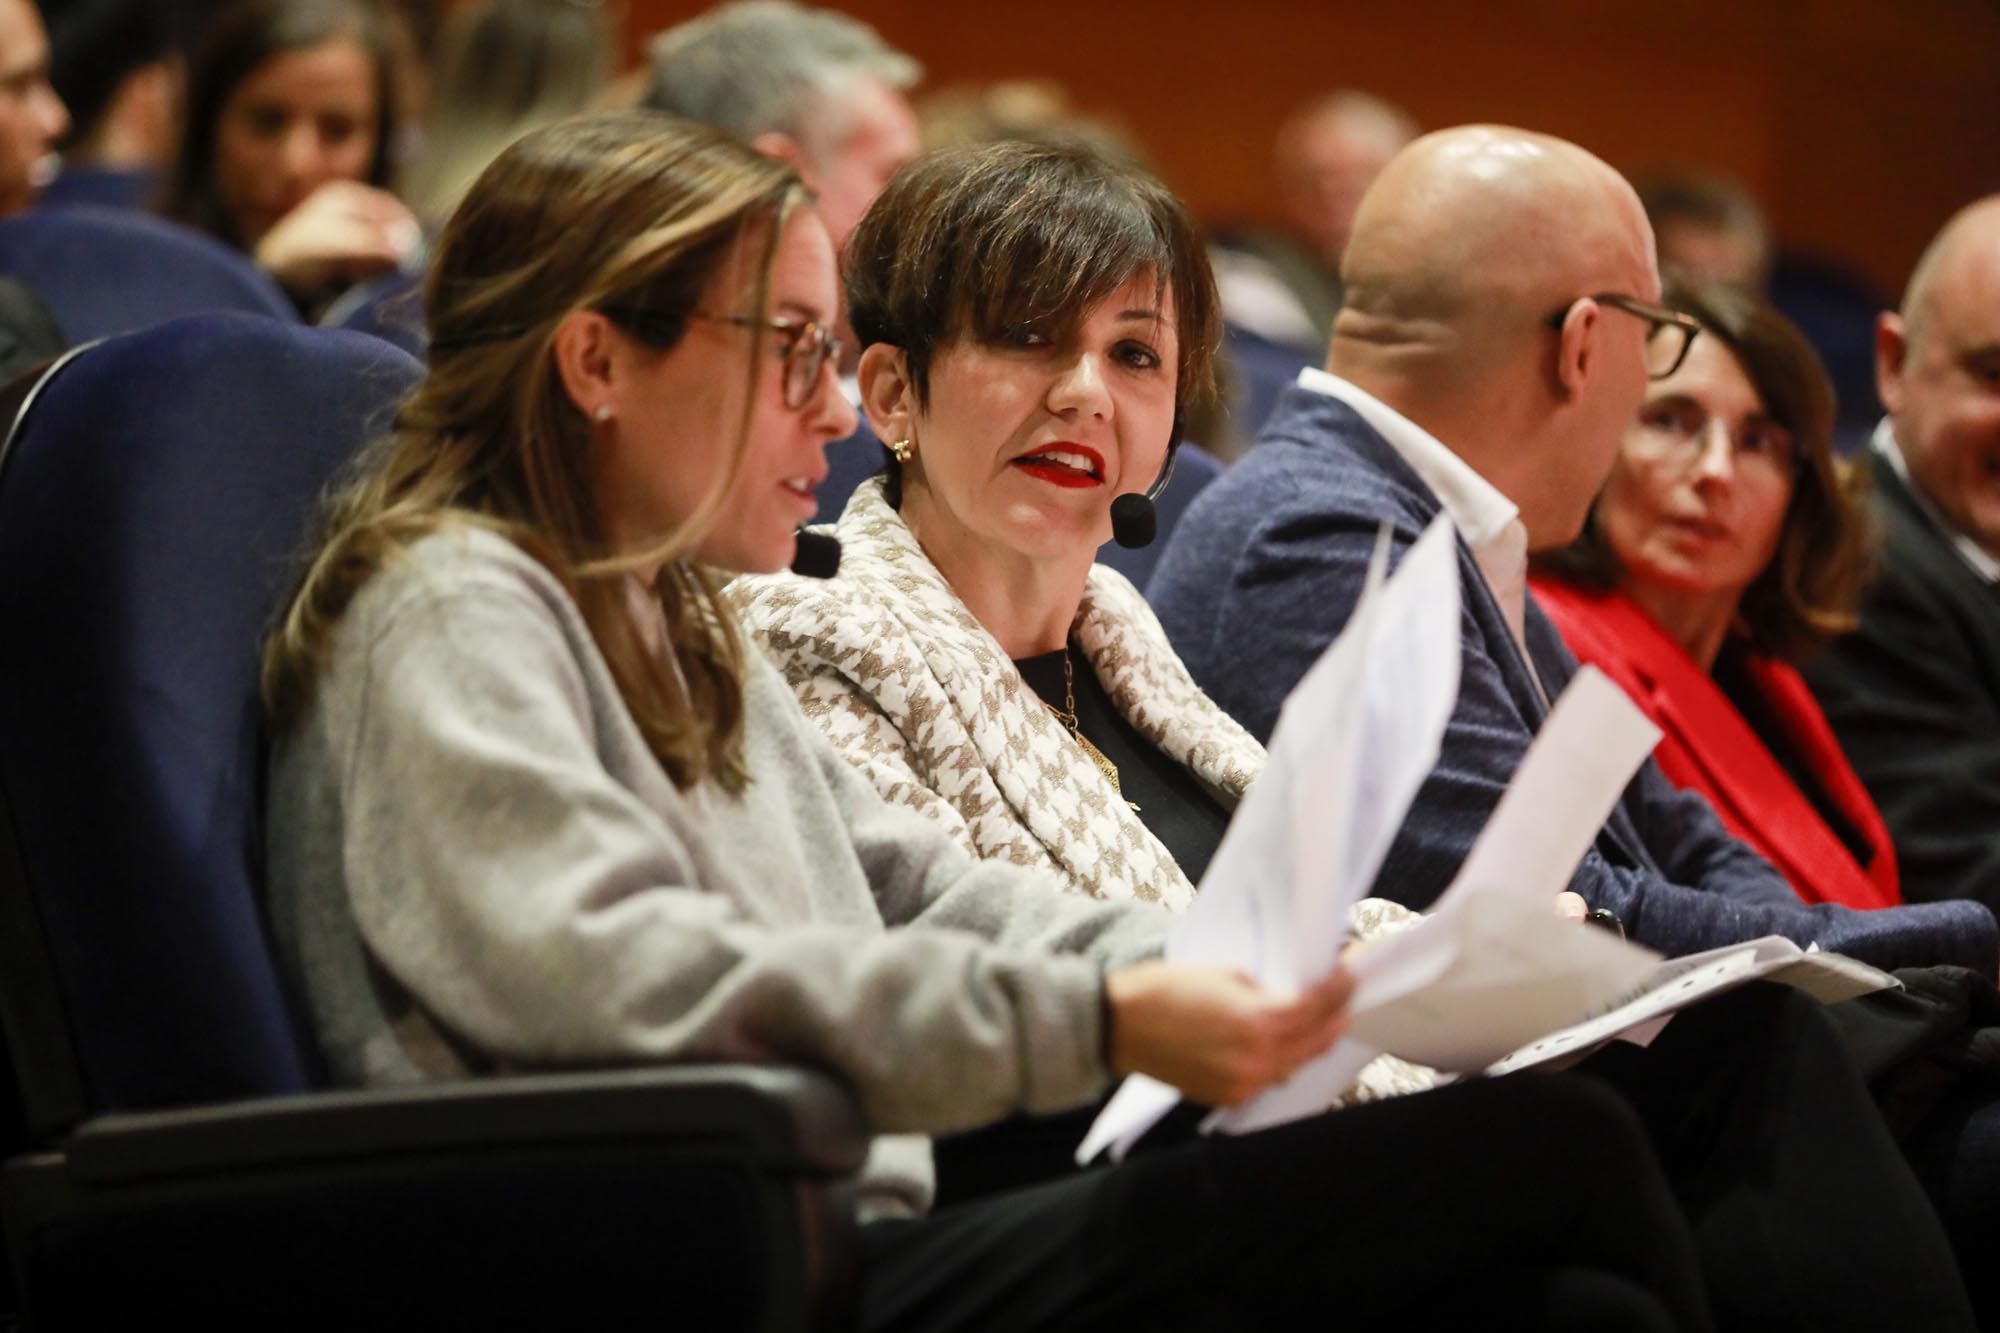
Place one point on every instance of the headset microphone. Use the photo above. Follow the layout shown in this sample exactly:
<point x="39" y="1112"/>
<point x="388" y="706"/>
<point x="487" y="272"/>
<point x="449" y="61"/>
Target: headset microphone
<point x="1134" y="521"/>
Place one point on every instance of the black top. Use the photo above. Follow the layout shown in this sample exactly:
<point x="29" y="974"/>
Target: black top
<point x="1735" y="683"/>
<point x="1173" y="804"/>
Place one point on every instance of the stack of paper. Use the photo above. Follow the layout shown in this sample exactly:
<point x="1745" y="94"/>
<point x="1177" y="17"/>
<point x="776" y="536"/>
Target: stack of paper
<point x="1491" y="979"/>
<point x="1353" y="743"/>
<point x="1675" y="984"/>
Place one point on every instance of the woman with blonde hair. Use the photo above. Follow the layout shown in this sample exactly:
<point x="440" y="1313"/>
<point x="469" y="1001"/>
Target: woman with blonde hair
<point x="532" y="804"/>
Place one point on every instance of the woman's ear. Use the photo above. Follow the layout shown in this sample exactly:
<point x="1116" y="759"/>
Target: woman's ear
<point x="584" y="359"/>
<point x="888" y="396"/>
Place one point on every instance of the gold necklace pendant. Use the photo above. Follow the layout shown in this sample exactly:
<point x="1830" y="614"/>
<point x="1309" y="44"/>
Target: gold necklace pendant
<point x="1068" y="718"/>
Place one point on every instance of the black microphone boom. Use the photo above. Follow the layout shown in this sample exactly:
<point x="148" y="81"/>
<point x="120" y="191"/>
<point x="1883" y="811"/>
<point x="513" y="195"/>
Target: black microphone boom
<point x="1134" y="521"/>
<point x="817" y="555"/>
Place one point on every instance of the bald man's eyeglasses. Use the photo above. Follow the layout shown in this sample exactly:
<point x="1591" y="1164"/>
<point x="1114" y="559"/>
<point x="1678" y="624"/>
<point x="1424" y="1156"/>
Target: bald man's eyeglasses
<point x="1669" y="333"/>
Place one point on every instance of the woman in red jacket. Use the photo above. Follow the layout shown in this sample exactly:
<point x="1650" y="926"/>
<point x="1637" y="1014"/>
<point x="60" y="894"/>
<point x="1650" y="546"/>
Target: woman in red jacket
<point x="1725" y="547"/>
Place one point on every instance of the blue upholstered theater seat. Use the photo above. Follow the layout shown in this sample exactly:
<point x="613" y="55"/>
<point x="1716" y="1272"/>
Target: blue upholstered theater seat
<point x="154" y="499"/>
<point x="390" y="307"/>
<point x="105" y="271"/>
<point x="100" y="187"/>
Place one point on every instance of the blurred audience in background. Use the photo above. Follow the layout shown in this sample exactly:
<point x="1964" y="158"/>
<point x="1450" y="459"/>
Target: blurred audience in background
<point x="1280" y="286"/>
<point x="414" y="28"/>
<point x="1708" y="229"/>
<point x="32" y="117"/>
<point x="1285" y="285"/>
<point x="503" y="67"/>
<point x="1711" y="229"/>
<point x="818" y="91"/>
<point x="1022" y="110"/>
<point x="291" y="115"/>
<point x="115" y="65"/>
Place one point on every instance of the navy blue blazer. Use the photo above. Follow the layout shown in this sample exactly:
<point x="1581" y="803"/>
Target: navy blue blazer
<point x="1262" y="573"/>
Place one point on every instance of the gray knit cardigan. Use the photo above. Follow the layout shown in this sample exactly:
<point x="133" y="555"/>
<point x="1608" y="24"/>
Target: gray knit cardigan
<point x="477" y="865"/>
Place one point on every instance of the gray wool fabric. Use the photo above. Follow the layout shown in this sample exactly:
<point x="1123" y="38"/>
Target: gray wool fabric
<point x="476" y="864"/>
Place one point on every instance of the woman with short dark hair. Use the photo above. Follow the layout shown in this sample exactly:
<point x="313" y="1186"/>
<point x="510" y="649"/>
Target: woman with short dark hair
<point x="1727" y="546"/>
<point x="1036" y="322"/>
<point x="287" y="139"/>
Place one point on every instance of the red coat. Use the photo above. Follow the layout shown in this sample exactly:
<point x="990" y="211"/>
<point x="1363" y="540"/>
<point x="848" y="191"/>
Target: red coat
<point x="1709" y="746"/>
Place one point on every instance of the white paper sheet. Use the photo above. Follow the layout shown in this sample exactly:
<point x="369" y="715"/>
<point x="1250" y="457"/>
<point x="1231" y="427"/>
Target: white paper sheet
<point x="1491" y="979"/>
<point x="1679" y="982"/>
<point x="1588" y="748"/>
<point x="1353" y="742"/>
<point x="1512" y="971"/>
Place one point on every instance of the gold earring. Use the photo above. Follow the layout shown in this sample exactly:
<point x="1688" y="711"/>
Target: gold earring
<point x="904" y="450"/>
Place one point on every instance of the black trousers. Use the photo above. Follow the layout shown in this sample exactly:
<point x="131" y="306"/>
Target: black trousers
<point x="1733" y="1174"/>
<point x="1804" y="1210"/>
<point x="1931" y="1052"/>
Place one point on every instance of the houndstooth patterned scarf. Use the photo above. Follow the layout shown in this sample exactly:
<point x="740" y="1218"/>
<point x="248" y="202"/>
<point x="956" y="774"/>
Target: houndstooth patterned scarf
<point x="916" y="693"/>
<point x="889" y="663"/>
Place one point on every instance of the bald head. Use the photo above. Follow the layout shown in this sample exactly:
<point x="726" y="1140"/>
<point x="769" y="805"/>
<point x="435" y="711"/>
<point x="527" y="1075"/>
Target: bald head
<point x="1968" y="242"/>
<point x="1472" y="235"/>
<point x="1937" y="365"/>
<point x="1465" y="247"/>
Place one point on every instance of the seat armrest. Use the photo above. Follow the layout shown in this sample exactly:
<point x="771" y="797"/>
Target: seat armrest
<point x="785" y="1119"/>
<point x="711" y="1197"/>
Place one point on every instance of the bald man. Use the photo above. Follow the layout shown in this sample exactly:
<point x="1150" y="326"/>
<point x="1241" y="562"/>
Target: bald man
<point x="1497" y="337"/>
<point x="1914" y="693"/>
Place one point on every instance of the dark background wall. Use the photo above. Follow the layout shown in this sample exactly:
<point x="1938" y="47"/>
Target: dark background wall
<point x="1860" y="124"/>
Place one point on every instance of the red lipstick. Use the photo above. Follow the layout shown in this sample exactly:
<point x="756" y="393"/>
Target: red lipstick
<point x="1072" y="466"/>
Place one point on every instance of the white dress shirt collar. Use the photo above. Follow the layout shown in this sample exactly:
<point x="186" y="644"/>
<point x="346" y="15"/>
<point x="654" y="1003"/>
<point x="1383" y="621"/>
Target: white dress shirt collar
<point x="1978" y="557"/>
<point x="1488" y="520"/>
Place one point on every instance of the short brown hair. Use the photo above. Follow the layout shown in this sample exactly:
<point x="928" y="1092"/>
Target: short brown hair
<point x="986" y="239"/>
<point x="1811" y="590"/>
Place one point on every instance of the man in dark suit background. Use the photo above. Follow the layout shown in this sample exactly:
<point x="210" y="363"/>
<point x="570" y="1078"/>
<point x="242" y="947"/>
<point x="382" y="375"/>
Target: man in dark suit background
<point x="1914" y="692"/>
<point x="1497" y="337"/>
